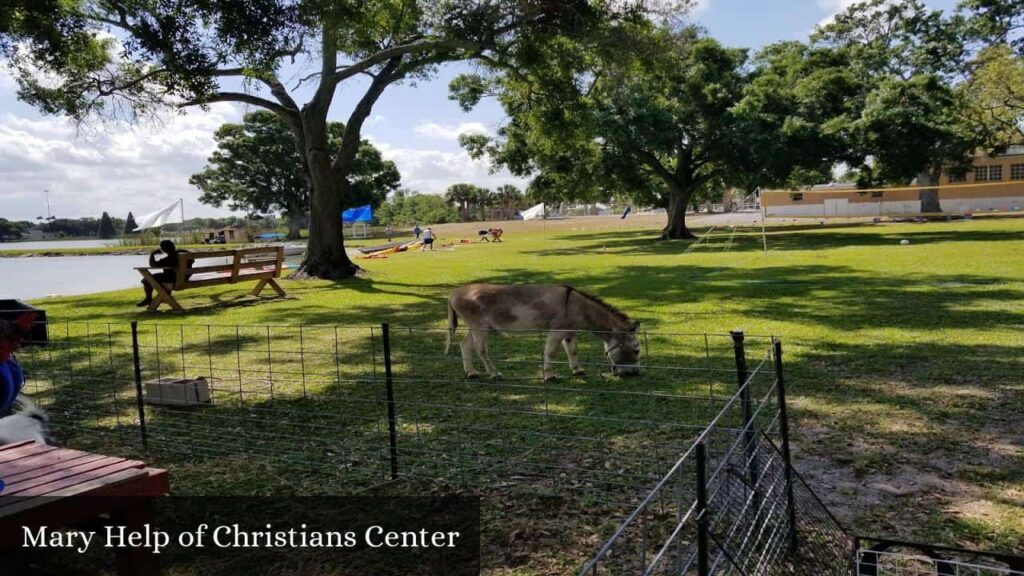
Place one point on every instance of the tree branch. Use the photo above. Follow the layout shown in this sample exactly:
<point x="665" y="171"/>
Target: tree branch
<point x="238" y="97"/>
<point x="352" y="138"/>
<point x="341" y="74"/>
<point x="652" y="161"/>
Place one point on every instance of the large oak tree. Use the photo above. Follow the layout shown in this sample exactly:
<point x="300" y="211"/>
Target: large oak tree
<point x="644" y="110"/>
<point x="126" y="58"/>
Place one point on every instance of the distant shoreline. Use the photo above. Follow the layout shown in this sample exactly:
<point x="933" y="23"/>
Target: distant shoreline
<point x="47" y="252"/>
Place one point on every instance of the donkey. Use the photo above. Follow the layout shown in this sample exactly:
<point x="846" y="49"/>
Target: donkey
<point x="559" y="310"/>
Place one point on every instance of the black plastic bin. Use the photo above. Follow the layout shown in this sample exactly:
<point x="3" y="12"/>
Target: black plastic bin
<point x="12" y="309"/>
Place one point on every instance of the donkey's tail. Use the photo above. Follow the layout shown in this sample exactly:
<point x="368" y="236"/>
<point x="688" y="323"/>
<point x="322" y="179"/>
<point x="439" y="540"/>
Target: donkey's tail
<point x="453" y="323"/>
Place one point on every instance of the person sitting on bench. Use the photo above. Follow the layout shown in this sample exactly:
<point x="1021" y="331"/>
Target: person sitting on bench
<point x="169" y="263"/>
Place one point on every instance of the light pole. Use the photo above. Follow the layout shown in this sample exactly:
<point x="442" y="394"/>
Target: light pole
<point x="49" y="213"/>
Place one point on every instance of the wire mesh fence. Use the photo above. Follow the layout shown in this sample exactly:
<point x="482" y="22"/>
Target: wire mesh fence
<point x="732" y="503"/>
<point x="691" y="445"/>
<point x="688" y="460"/>
<point x="367" y="406"/>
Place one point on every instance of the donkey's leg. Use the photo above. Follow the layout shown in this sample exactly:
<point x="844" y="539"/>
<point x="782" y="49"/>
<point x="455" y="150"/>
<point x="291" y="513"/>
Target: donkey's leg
<point x="570" y="350"/>
<point x="480" y="343"/>
<point x="550" y="348"/>
<point x="467" y="355"/>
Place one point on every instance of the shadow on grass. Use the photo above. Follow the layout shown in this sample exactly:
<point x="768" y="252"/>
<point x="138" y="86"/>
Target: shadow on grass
<point x="800" y="293"/>
<point x="821" y="237"/>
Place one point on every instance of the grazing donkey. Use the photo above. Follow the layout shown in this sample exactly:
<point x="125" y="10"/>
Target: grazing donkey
<point x="560" y="310"/>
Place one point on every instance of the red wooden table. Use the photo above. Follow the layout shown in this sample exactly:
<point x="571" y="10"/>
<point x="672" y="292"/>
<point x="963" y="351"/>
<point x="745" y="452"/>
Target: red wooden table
<point x="58" y="488"/>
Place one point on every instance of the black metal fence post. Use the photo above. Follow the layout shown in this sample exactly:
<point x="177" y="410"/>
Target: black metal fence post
<point x="780" y="383"/>
<point x="749" y="434"/>
<point x="139" y="402"/>
<point x="739" y="349"/>
<point x="701" y="454"/>
<point x="390" y="385"/>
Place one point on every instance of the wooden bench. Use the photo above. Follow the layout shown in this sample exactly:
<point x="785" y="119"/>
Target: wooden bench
<point x="58" y="488"/>
<point x="262" y="265"/>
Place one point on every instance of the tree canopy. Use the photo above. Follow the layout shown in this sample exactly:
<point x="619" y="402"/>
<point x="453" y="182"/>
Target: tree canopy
<point x="106" y="228"/>
<point x="256" y="167"/>
<point x="129" y="224"/>
<point x="659" y="114"/>
<point x="405" y="207"/>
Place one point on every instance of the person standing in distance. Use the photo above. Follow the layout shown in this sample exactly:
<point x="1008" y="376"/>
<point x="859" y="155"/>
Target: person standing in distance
<point x="428" y="239"/>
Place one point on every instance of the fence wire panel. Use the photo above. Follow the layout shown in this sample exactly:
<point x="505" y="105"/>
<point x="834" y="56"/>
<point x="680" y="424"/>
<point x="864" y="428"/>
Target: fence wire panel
<point x="592" y="433"/>
<point x="915" y="563"/>
<point x="822" y="544"/>
<point x="360" y="405"/>
<point x="299" y="396"/>
<point x="361" y="408"/>
<point x="718" y="487"/>
<point x="84" y="378"/>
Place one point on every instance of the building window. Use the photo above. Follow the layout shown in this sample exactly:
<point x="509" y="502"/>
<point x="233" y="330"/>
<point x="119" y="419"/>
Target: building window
<point x="1016" y="171"/>
<point x="957" y="177"/>
<point x="876" y="194"/>
<point x="988" y="173"/>
<point x="796" y="197"/>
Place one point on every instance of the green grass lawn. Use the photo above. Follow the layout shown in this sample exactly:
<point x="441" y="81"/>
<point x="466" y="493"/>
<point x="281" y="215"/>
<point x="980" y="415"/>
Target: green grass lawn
<point x="904" y="361"/>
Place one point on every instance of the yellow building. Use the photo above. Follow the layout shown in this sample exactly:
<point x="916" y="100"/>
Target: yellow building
<point x="994" y="184"/>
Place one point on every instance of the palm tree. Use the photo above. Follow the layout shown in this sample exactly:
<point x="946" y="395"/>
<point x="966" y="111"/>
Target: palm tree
<point x="509" y="197"/>
<point x="484" y="199"/>
<point x="460" y="196"/>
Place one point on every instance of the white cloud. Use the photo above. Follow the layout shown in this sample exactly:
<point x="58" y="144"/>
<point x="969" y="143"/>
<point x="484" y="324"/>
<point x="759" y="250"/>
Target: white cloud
<point x="433" y="171"/>
<point x="449" y="132"/>
<point x="146" y="168"/>
<point x="115" y="170"/>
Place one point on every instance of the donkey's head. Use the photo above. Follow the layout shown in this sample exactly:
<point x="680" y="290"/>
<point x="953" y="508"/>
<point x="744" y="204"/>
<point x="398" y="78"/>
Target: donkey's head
<point x="623" y="350"/>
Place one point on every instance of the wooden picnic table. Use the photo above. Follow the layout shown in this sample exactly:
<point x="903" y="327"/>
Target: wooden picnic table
<point x="262" y="265"/>
<point x="61" y="488"/>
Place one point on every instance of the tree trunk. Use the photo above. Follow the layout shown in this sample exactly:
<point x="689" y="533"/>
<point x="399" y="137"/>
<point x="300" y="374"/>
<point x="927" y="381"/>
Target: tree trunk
<point x="679" y="199"/>
<point x="929" y="196"/>
<point x="294" y="224"/>
<point x="325" y="250"/>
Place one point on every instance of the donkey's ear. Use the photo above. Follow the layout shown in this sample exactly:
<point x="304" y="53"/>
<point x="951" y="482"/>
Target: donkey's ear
<point x="634" y="326"/>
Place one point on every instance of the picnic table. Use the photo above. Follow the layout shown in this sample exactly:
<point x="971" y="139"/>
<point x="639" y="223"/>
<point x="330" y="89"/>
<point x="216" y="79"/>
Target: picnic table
<point x="61" y="488"/>
<point x="262" y="265"/>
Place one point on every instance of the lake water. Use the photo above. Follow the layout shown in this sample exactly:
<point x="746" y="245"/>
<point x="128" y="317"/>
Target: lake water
<point x="56" y="244"/>
<point x="28" y="278"/>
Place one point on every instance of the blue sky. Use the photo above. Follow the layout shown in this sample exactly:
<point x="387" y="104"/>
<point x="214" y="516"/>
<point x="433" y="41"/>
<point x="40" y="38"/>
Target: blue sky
<point x="141" y="169"/>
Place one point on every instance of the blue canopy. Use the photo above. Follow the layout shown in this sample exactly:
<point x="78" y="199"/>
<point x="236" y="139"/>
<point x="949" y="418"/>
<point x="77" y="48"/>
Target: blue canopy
<point x="361" y="214"/>
<point x="270" y="236"/>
